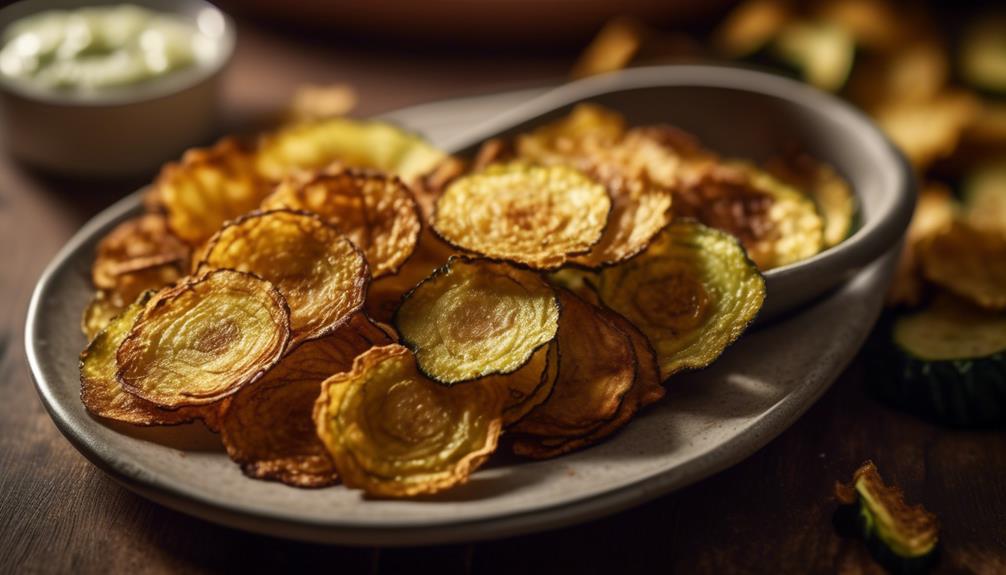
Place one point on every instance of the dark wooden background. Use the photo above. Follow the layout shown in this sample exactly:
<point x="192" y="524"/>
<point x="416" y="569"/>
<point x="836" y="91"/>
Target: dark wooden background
<point x="770" y="514"/>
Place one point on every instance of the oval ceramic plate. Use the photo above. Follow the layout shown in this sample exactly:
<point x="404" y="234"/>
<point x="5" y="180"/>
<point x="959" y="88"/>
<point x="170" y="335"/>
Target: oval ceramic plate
<point x="709" y="421"/>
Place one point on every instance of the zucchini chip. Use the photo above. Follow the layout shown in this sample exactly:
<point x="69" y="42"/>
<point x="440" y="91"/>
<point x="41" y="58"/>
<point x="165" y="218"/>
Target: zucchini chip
<point x="929" y="130"/>
<point x="533" y="215"/>
<point x="108" y="303"/>
<point x="968" y="262"/>
<point x="949" y="363"/>
<point x="267" y="427"/>
<point x="376" y="211"/>
<point x="529" y="386"/>
<point x="355" y="143"/>
<point x="140" y="243"/>
<point x="902" y="537"/>
<point x="385" y="294"/>
<point x="692" y="293"/>
<point x="646" y="390"/>
<point x="204" y="339"/>
<point x="597" y="368"/>
<point x="100" y="390"/>
<point x="776" y="224"/>
<point x="985" y="197"/>
<point x="829" y="191"/>
<point x="394" y="433"/>
<point x="935" y="211"/>
<point x="476" y="317"/>
<point x="207" y="188"/>
<point x="559" y="141"/>
<point x="320" y="273"/>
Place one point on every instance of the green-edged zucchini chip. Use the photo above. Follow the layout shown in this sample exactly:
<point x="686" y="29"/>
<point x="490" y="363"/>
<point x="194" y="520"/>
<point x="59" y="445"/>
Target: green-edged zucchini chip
<point x="476" y="317"/>
<point x="692" y="292"/>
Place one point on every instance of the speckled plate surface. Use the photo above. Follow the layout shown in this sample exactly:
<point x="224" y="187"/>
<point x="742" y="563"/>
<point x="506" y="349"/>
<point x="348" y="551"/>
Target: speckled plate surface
<point x="710" y="419"/>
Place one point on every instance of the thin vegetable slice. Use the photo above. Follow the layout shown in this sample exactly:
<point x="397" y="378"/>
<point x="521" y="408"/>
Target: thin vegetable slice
<point x="901" y="536"/>
<point x="935" y="211"/>
<point x="376" y="211"/>
<point x="320" y="273"/>
<point x="524" y="391"/>
<point x="136" y="244"/>
<point x="597" y="368"/>
<point x="108" y="303"/>
<point x="566" y="138"/>
<point x="207" y="188"/>
<point x="385" y="294"/>
<point x="100" y="390"/>
<point x="776" y="224"/>
<point x="394" y="433"/>
<point x="829" y="191"/>
<point x="968" y="262"/>
<point x="985" y="197"/>
<point x="475" y="317"/>
<point x="355" y="143"/>
<point x="929" y="130"/>
<point x="692" y="293"/>
<point x="267" y="427"/>
<point x="204" y="339"/>
<point x="533" y="215"/>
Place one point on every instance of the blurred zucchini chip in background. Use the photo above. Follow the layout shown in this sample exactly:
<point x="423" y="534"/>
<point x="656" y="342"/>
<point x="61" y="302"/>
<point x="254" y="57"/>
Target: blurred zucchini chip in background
<point x="537" y="216"/>
<point x="394" y="433"/>
<point x="203" y="339"/>
<point x="985" y="197"/>
<point x="354" y="143"/>
<point x="208" y="187"/>
<point x="776" y="224"/>
<point x="321" y="274"/>
<point x="100" y="390"/>
<point x="106" y="303"/>
<point x="968" y="262"/>
<point x="935" y="211"/>
<point x="268" y="428"/>
<point x="476" y="317"/>
<point x="136" y="244"/>
<point x="375" y="210"/>
<point x="983" y="55"/>
<point x="692" y="293"/>
<point x="821" y="52"/>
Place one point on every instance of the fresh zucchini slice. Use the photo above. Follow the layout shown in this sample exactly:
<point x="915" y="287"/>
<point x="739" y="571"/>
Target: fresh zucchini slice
<point x="830" y="192"/>
<point x="985" y="197"/>
<point x="950" y="363"/>
<point x="983" y="55"/>
<point x="822" y="52"/>
<point x="776" y="223"/>
<point x="692" y="293"/>
<point x="902" y="537"/>
<point x="968" y="262"/>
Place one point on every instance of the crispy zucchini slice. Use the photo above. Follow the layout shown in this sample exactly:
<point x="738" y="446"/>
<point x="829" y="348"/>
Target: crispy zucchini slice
<point x="208" y="187"/>
<point x="597" y="368"/>
<point x="692" y="293"/>
<point x="968" y="262"/>
<point x="204" y="339"/>
<point x="267" y="427"/>
<point x="476" y="317"/>
<point x="561" y="140"/>
<point x="822" y="52"/>
<point x="320" y="273"/>
<point x="529" y="386"/>
<point x="394" y="433"/>
<point x="355" y="143"/>
<point x="949" y="363"/>
<point x="929" y="130"/>
<point x="385" y="294"/>
<point x="935" y="211"/>
<point x="901" y="537"/>
<point x="830" y="192"/>
<point x="376" y="211"/>
<point x="139" y="243"/>
<point x="776" y="223"/>
<point x="985" y="197"/>
<point x="983" y="55"/>
<point x="107" y="303"/>
<point x="100" y="391"/>
<point x="533" y="215"/>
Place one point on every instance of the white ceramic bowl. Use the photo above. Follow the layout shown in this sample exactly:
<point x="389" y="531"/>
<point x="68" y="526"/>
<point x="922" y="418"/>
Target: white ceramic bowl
<point x="122" y="133"/>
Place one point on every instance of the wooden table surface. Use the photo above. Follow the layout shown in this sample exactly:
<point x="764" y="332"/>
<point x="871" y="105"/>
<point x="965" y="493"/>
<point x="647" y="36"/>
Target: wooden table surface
<point x="770" y="514"/>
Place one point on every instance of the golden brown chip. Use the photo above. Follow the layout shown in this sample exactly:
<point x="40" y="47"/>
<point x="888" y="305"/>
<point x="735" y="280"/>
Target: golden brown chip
<point x="267" y="427"/>
<point x="209" y="187"/>
<point x="692" y="293"/>
<point x="107" y="303"/>
<point x="320" y="273"/>
<point x="529" y="386"/>
<point x="428" y="188"/>
<point x="968" y="262"/>
<point x="750" y="27"/>
<point x="376" y="211"/>
<point x="533" y="215"/>
<point x="394" y="433"/>
<point x="202" y="340"/>
<point x="142" y="242"/>
<point x="355" y="143"/>
<point x="829" y="191"/>
<point x="597" y="368"/>
<point x="385" y="294"/>
<point x="935" y="211"/>
<point x="927" y="131"/>
<point x="566" y="137"/>
<point x="476" y="317"/>
<point x="612" y="49"/>
<point x="100" y="390"/>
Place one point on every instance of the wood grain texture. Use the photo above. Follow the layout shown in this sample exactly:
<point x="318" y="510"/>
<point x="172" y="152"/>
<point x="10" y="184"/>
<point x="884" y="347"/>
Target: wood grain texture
<point x="770" y="514"/>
